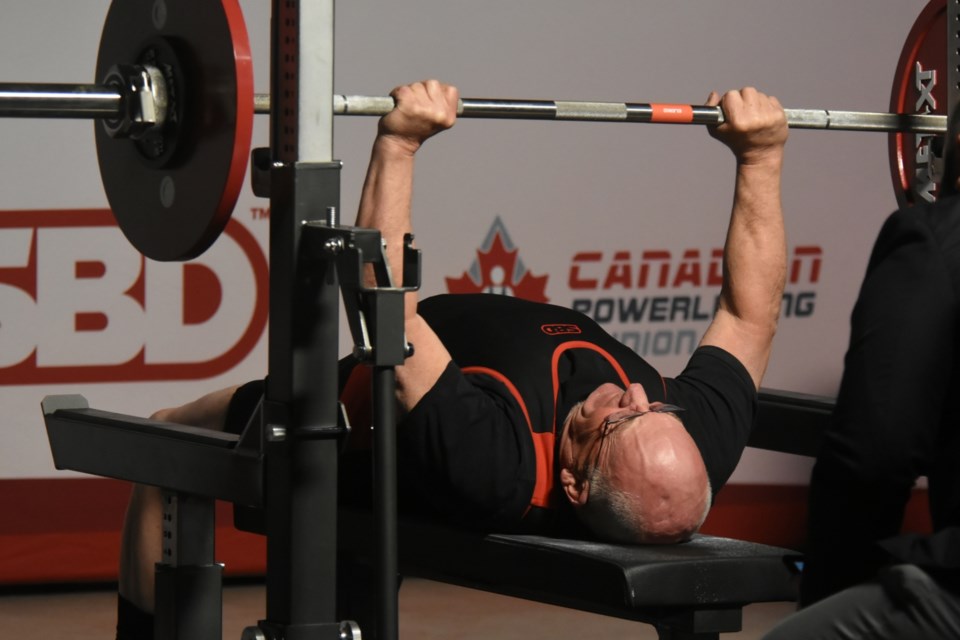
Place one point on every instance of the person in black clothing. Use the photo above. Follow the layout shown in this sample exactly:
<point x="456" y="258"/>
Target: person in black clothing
<point x="511" y="409"/>
<point x="896" y="419"/>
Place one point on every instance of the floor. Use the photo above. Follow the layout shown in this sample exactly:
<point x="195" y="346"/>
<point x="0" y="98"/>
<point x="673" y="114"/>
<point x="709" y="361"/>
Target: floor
<point x="428" y="611"/>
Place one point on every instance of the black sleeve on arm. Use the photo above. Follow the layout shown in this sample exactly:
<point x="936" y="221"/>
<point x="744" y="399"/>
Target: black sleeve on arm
<point x="721" y="402"/>
<point x="465" y="451"/>
<point x="899" y="365"/>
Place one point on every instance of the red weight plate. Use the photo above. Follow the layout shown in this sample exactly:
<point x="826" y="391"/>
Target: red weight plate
<point x="173" y="192"/>
<point x="919" y="86"/>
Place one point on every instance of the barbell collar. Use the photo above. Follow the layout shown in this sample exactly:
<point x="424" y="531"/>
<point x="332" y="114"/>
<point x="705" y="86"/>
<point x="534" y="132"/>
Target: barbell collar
<point x="144" y="103"/>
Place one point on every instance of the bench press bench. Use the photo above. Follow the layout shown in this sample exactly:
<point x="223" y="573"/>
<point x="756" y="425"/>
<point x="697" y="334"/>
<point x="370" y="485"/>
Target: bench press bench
<point x="694" y="590"/>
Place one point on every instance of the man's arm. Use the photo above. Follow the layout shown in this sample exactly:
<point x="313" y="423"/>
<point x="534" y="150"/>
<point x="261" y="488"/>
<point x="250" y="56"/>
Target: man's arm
<point x="423" y="109"/>
<point x="755" y="129"/>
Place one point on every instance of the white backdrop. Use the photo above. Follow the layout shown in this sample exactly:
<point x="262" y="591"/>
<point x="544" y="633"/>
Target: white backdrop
<point x="555" y="191"/>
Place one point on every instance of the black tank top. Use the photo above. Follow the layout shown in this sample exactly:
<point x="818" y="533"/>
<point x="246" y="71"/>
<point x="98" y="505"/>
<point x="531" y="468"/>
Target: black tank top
<point x="549" y="358"/>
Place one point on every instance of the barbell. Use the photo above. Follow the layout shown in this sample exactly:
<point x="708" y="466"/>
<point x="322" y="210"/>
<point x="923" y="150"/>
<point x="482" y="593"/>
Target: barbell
<point x="147" y="98"/>
<point x="176" y="106"/>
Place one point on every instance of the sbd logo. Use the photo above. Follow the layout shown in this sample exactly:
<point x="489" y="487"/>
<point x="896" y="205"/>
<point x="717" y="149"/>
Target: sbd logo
<point x="79" y="304"/>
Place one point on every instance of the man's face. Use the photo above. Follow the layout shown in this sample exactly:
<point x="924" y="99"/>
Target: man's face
<point x="585" y="445"/>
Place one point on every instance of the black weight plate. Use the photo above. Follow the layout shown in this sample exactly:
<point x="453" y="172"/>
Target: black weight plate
<point x="173" y="194"/>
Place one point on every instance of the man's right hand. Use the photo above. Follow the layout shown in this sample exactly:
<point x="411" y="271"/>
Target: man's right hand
<point x="422" y="110"/>
<point x="755" y="125"/>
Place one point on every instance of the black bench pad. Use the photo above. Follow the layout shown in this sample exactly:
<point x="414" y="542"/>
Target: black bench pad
<point x="621" y="580"/>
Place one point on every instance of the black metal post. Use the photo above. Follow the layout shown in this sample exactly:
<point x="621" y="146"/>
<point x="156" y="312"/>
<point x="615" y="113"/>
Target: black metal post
<point x="300" y="422"/>
<point x="385" y="501"/>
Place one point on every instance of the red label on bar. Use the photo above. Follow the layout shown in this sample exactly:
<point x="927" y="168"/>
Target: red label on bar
<point x="671" y="113"/>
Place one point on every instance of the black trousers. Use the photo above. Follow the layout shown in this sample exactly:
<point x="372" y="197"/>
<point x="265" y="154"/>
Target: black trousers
<point x="904" y="603"/>
<point x="897" y="416"/>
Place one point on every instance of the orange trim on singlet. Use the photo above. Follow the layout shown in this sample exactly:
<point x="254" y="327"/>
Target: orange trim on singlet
<point x="543" y="443"/>
<point x="580" y="344"/>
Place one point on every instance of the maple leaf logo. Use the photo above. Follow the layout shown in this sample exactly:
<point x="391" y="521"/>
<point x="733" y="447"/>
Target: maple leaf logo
<point x="498" y="269"/>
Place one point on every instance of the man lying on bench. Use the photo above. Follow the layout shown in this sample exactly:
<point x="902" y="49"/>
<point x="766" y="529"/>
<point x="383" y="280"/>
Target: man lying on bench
<point x="516" y="415"/>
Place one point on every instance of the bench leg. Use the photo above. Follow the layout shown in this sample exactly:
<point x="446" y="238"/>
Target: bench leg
<point x="699" y="624"/>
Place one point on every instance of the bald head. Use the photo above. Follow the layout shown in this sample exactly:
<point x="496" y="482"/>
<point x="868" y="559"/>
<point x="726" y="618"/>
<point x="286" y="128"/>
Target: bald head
<point x="630" y="469"/>
<point x="651" y="485"/>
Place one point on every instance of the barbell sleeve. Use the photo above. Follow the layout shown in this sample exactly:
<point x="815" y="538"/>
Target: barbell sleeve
<point x="104" y="101"/>
<point x="59" y="101"/>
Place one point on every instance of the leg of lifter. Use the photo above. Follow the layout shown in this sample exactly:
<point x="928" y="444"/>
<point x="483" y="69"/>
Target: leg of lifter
<point x="904" y="604"/>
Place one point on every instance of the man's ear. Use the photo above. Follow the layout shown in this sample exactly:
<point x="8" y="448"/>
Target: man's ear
<point x="577" y="491"/>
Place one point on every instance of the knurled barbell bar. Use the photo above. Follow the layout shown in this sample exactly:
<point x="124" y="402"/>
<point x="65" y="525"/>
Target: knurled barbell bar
<point x="177" y="88"/>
